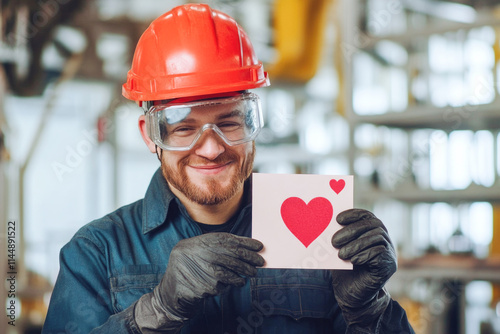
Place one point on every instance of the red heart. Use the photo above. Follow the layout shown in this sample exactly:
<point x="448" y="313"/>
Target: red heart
<point x="306" y="221"/>
<point x="337" y="186"/>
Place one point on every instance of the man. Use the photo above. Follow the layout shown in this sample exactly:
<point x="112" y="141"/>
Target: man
<point x="182" y="259"/>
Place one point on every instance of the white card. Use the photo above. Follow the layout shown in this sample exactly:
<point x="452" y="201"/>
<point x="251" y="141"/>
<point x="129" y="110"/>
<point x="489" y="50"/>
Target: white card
<point x="293" y="215"/>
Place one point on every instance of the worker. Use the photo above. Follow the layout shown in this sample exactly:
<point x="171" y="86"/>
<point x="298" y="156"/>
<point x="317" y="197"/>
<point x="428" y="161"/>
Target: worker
<point x="182" y="260"/>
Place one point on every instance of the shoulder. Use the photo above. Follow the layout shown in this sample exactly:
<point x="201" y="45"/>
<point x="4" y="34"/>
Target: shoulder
<point x="121" y="223"/>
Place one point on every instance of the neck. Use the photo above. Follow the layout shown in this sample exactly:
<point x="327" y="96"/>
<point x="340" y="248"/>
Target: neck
<point x="211" y="214"/>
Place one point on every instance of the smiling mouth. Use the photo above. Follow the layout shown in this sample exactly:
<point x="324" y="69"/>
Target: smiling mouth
<point x="211" y="169"/>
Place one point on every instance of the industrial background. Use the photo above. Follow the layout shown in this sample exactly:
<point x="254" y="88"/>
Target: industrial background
<point x="403" y="94"/>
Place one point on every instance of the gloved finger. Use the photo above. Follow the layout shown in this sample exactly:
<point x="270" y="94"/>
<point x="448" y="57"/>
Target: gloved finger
<point x="228" y="241"/>
<point x="246" y="249"/>
<point x="248" y="243"/>
<point x="227" y="277"/>
<point x="378" y="256"/>
<point x="355" y="230"/>
<point x="210" y="280"/>
<point x="236" y="265"/>
<point x="368" y="255"/>
<point x="214" y="288"/>
<point x="195" y="282"/>
<point x="353" y="215"/>
<point x="367" y="240"/>
<point x="382" y="266"/>
<point x="219" y="287"/>
<point x="239" y="253"/>
<point x="250" y="257"/>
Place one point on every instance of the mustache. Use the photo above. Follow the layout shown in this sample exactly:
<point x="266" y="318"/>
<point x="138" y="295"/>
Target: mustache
<point x="221" y="159"/>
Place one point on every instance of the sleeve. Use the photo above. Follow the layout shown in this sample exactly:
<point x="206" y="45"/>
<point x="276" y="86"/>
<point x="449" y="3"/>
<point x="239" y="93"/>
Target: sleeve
<point x="81" y="299"/>
<point x="393" y="321"/>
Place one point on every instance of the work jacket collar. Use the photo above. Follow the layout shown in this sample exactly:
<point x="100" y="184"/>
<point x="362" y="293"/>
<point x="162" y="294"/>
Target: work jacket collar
<point x="156" y="203"/>
<point x="159" y="198"/>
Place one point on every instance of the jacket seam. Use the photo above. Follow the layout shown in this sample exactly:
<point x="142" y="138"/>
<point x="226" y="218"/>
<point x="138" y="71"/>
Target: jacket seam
<point x="90" y="240"/>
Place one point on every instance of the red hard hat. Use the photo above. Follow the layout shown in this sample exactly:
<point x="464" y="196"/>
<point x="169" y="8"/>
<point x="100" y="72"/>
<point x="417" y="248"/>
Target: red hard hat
<point x="189" y="51"/>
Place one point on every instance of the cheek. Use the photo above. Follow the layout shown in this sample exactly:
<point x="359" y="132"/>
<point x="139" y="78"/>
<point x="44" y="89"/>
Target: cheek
<point x="248" y="153"/>
<point x="245" y="152"/>
<point x="172" y="159"/>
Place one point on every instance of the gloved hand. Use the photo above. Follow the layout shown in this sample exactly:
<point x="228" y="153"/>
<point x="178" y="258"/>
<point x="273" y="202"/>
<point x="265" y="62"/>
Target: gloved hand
<point x="197" y="268"/>
<point x="360" y="292"/>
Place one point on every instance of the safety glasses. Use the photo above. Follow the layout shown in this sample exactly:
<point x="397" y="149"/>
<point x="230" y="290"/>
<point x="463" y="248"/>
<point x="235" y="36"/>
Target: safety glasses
<point x="177" y="126"/>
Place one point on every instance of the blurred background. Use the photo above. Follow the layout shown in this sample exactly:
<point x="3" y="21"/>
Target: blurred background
<point x="403" y="94"/>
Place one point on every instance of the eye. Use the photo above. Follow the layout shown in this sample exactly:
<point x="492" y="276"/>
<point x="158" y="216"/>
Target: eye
<point x="183" y="130"/>
<point x="228" y="126"/>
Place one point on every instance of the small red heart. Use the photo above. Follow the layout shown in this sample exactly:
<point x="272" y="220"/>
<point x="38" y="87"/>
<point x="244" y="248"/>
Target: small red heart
<point x="337" y="186"/>
<point x="306" y="221"/>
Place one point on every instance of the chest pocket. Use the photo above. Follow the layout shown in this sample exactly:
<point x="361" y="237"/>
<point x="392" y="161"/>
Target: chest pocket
<point x="134" y="281"/>
<point x="293" y="293"/>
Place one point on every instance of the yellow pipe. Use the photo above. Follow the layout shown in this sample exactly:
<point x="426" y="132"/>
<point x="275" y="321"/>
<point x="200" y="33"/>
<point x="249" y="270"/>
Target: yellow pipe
<point x="299" y="27"/>
<point x="495" y="250"/>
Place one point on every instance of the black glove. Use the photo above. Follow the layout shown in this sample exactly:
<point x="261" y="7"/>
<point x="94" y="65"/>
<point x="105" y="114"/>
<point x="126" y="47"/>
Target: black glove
<point x="197" y="268"/>
<point x="360" y="292"/>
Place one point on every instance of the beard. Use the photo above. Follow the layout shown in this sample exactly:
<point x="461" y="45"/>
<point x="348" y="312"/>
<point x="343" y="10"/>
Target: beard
<point x="212" y="192"/>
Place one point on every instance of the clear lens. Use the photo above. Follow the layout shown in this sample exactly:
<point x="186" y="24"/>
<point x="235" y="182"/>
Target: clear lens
<point x="178" y="126"/>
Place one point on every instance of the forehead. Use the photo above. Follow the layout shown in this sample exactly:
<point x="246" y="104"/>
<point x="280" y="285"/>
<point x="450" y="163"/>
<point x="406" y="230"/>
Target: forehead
<point x="200" y="98"/>
<point x="204" y="111"/>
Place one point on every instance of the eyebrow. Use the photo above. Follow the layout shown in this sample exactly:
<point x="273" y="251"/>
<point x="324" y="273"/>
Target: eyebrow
<point x="191" y="120"/>
<point x="229" y="114"/>
<point x="187" y="120"/>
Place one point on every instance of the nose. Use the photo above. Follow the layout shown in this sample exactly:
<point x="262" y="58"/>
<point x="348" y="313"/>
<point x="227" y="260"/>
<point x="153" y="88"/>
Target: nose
<point x="209" y="145"/>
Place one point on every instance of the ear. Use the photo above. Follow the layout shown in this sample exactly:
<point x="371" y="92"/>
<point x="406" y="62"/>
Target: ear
<point x="144" y="134"/>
